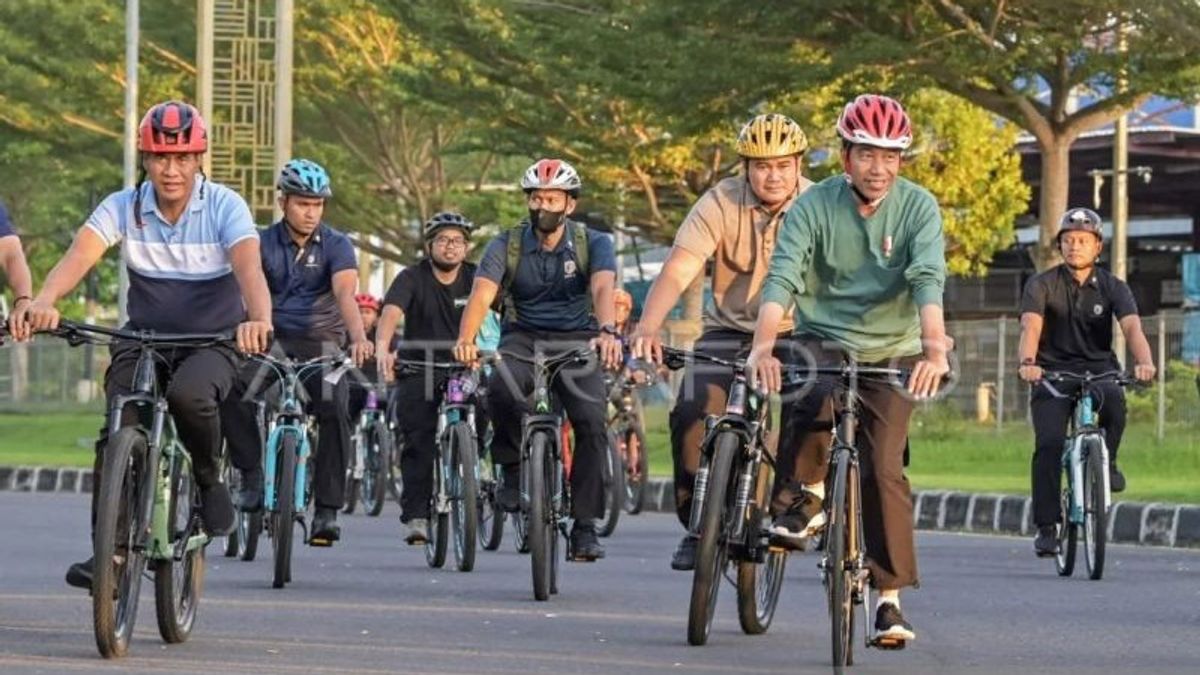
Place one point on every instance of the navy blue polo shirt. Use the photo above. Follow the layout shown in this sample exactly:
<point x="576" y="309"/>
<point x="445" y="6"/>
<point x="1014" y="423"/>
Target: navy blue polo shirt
<point x="301" y="282"/>
<point x="549" y="290"/>
<point x="6" y="228"/>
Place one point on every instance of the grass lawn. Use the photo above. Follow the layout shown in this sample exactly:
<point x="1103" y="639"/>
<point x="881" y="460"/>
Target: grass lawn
<point x="949" y="454"/>
<point x="960" y="455"/>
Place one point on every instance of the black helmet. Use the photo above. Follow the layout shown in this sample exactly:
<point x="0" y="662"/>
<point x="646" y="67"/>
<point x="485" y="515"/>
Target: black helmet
<point x="1080" y="220"/>
<point x="447" y="219"/>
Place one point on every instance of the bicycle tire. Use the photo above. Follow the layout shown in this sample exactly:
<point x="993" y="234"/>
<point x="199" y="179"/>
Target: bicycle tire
<point x="437" y="533"/>
<point x="759" y="584"/>
<point x="541" y="529"/>
<point x="283" y="518"/>
<point x="179" y="584"/>
<point x="250" y="526"/>
<point x="839" y="581"/>
<point x="711" y="552"/>
<point x="374" y="482"/>
<point x="352" y="491"/>
<point x="232" y="480"/>
<point x="1064" y="560"/>
<point x="463" y="511"/>
<point x="613" y="480"/>
<point x="636" y="489"/>
<point x="115" y="586"/>
<point x="395" y="482"/>
<point x="1095" y="516"/>
<point x="491" y="517"/>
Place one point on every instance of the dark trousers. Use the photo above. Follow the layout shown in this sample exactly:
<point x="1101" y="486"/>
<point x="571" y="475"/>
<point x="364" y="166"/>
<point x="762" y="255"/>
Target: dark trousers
<point x="418" y="398"/>
<point x="703" y="392"/>
<point x="579" y="389"/>
<point x="328" y="403"/>
<point x="195" y="381"/>
<point x="882" y="439"/>
<point x="1050" y="418"/>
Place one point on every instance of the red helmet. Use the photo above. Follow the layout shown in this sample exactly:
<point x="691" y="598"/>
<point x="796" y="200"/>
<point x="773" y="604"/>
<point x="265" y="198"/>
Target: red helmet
<point x="173" y="127"/>
<point x="875" y="120"/>
<point x="367" y="300"/>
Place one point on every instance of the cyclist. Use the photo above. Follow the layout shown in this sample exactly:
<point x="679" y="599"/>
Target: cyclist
<point x="1066" y="324"/>
<point x="623" y="305"/>
<point x="430" y="296"/>
<point x="368" y="374"/>
<point x="556" y="296"/>
<point x="16" y="270"/>
<point x="192" y="254"/>
<point x="312" y="271"/>
<point x="862" y="258"/>
<point x="736" y="223"/>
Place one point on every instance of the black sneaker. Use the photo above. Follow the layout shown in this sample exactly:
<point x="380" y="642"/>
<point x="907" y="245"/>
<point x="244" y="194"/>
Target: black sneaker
<point x="1116" y="479"/>
<point x="216" y="510"/>
<point x="890" y="625"/>
<point x="1046" y="543"/>
<point x="79" y="575"/>
<point x="684" y="559"/>
<point x="325" y="529"/>
<point x="804" y="518"/>
<point x="585" y="544"/>
<point x="508" y="493"/>
<point x="250" y="494"/>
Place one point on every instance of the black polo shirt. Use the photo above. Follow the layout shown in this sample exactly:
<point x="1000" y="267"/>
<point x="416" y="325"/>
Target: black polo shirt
<point x="1077" y="330"/>
<point x="301" y="281"/>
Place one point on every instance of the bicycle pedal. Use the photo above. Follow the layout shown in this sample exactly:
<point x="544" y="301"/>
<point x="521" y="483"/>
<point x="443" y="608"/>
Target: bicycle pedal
<point x="320" y="541"/>
<point x="889" y="643"/>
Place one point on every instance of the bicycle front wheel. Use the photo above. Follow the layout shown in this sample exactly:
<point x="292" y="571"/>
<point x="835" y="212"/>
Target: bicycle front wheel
<point x="178" y="583"/>
<point x="118" y="565"/>
<point x="1095" y="515"/>
<point x="711" y="553"/>
<point x="491" y="517"/>
<point x="232" y="479"/>
<point x="539" y="473"/>
<point x="839" y="575"/>
<point x="1064" y="560"/>
<point x="375" y="473"/>
<point x="613" y="479"/>
<point x="463" y="495"/>
<point x="283" y="519"/>
<point x="637" y="467"/>
<point x="758" y="584"/>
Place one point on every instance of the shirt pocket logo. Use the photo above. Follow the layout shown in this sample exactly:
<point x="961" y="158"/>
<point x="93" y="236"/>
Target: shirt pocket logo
<point x="460" y="302"/>
<point x="569" y="268"/>
<point x="1097" y="309"/>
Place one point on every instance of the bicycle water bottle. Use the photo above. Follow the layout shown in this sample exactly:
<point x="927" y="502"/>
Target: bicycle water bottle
<point x="454" y="392"/>
<point x="372" y="399"/>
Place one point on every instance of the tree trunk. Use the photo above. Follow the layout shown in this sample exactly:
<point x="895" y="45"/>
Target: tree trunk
<point x="1053" y="195"/>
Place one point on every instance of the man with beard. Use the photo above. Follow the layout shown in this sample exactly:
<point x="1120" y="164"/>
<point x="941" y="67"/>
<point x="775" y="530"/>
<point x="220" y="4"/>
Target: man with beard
<point x="1066" y="325"/>
<point x="430" y="296"/>
<point x="555" y="273"/>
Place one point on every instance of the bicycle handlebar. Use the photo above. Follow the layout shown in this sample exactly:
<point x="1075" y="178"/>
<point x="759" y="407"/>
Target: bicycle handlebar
<point x="78" y="332"/>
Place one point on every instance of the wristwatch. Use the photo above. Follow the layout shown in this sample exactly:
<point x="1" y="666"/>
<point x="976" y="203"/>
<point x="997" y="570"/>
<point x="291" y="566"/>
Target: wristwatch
<point x="610" y="329"/>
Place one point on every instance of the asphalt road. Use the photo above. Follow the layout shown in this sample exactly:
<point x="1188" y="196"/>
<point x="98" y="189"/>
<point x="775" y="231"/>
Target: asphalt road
<point x="370" y="605"/>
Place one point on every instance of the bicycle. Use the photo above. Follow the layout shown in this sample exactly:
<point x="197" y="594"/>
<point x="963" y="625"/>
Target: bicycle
<point x="627" y="441"/>
<point x="242" y="543"/>
<point x="367" y="476"/>
<point x="287" y="457"/>
<point x="453" y="504"/>
<point x="1087" y="494"/>
<point x="147" y="509"/>
<point x="729" y="506"/>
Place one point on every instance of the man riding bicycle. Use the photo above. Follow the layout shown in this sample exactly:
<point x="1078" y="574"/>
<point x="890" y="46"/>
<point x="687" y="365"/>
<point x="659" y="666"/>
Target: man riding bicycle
<point x="862" y="258"/>
<point x="312" y="272"/>
<point x="1066" y="325"/>
<point x="555" y="296"/>
<point x="192" y="254"/>
<point x="368" y="374"/>
<point x="430" y="296"/>
<point x="736" y="223"/>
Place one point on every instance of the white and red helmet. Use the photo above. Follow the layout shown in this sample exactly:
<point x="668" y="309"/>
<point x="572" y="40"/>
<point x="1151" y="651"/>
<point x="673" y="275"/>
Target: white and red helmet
<point x="875" y="120"/>
<point x="551" y="174"/>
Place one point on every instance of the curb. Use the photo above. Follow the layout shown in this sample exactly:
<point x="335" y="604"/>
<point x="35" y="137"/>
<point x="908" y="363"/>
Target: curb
<point x="1153" y="524"/>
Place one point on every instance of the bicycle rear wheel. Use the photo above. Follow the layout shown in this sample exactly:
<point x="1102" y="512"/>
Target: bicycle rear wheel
<point x="437" y="534"/>
<point x="283" y="519"/>
<point x="711" y="553"/>
<point x="463" y="496"/>
<point x="117" y="571"/>
<point x="638" y="471"/>
<point x="838" y="573"/>
<point x="395" y="483"/>
<point x="232" y="479"/>
<point x="178" y="584"/>
<point x="613" y="479"/>
<point x="374" y="480"/>
<point x="1095" y="515"/>
<point x="491" y="517"/>
<point x="1064" y="560"/>
<point x="249" y="527"/>
<point x="541" y="528"/>
<point x="758" y="584"/>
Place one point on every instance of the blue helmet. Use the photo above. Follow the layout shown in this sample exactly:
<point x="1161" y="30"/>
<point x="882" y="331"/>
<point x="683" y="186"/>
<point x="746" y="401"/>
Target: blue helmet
<point x="305" y="178"/>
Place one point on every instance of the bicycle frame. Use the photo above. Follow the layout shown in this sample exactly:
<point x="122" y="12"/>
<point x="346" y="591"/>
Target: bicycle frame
<point x="371" y="413"/>
<point x="544" y="419"/>
<point x="455" y="408"/>
<point x="1084" y="427"/>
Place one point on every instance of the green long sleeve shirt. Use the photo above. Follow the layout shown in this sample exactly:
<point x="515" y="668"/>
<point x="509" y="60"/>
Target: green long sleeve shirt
<point x="860" y="281"/>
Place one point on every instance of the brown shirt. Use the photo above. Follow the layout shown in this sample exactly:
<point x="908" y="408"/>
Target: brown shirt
<point x="730" y="225"/>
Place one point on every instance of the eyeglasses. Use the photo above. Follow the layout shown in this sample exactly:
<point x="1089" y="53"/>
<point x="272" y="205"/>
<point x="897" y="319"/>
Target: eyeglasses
<point x="450" y="242"/>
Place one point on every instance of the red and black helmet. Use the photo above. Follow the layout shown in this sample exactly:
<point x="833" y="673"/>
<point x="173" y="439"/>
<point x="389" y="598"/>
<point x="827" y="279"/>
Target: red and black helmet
<point x="875" y="120"/>
<point x="173" y="127"/>
<point x="367" y="300"/>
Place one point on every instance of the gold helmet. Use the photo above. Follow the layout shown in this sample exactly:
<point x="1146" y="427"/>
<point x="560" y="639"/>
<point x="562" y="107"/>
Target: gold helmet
<point x="771" y="135"/>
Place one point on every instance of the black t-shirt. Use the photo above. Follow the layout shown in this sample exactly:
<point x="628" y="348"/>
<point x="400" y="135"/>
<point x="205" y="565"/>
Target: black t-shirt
<point x="1077" y="330"/>
<point x="432" y="310"/>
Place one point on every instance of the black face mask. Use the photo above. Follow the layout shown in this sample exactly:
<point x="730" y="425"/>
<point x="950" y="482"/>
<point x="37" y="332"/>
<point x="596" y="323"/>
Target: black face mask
<point x="546" y="221"/>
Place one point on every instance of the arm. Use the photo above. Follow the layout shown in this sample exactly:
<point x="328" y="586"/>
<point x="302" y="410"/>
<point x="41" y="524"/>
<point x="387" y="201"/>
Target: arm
<point x="16" y="269"/>
<point x="926" y="276"/>
<point x="678" y="272"/>
<point x="253" y="335"/>
<point x="1027" y="348"/>
<point x="483" y="293"/>
<point x="345" y="283"/>
<point x="1143" y="359"/>
<point x="603" y="287"/>
<point x="784" y="281"/>
<point x="385" y="328"/>
<point x="84" y="253"/>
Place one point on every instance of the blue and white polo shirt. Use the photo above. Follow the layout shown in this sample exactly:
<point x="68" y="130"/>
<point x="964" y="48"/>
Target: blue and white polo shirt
<point x="180" y="276"/>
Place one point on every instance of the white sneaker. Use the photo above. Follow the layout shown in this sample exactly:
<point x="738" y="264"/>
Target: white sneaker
<point x="418" y="529"/>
